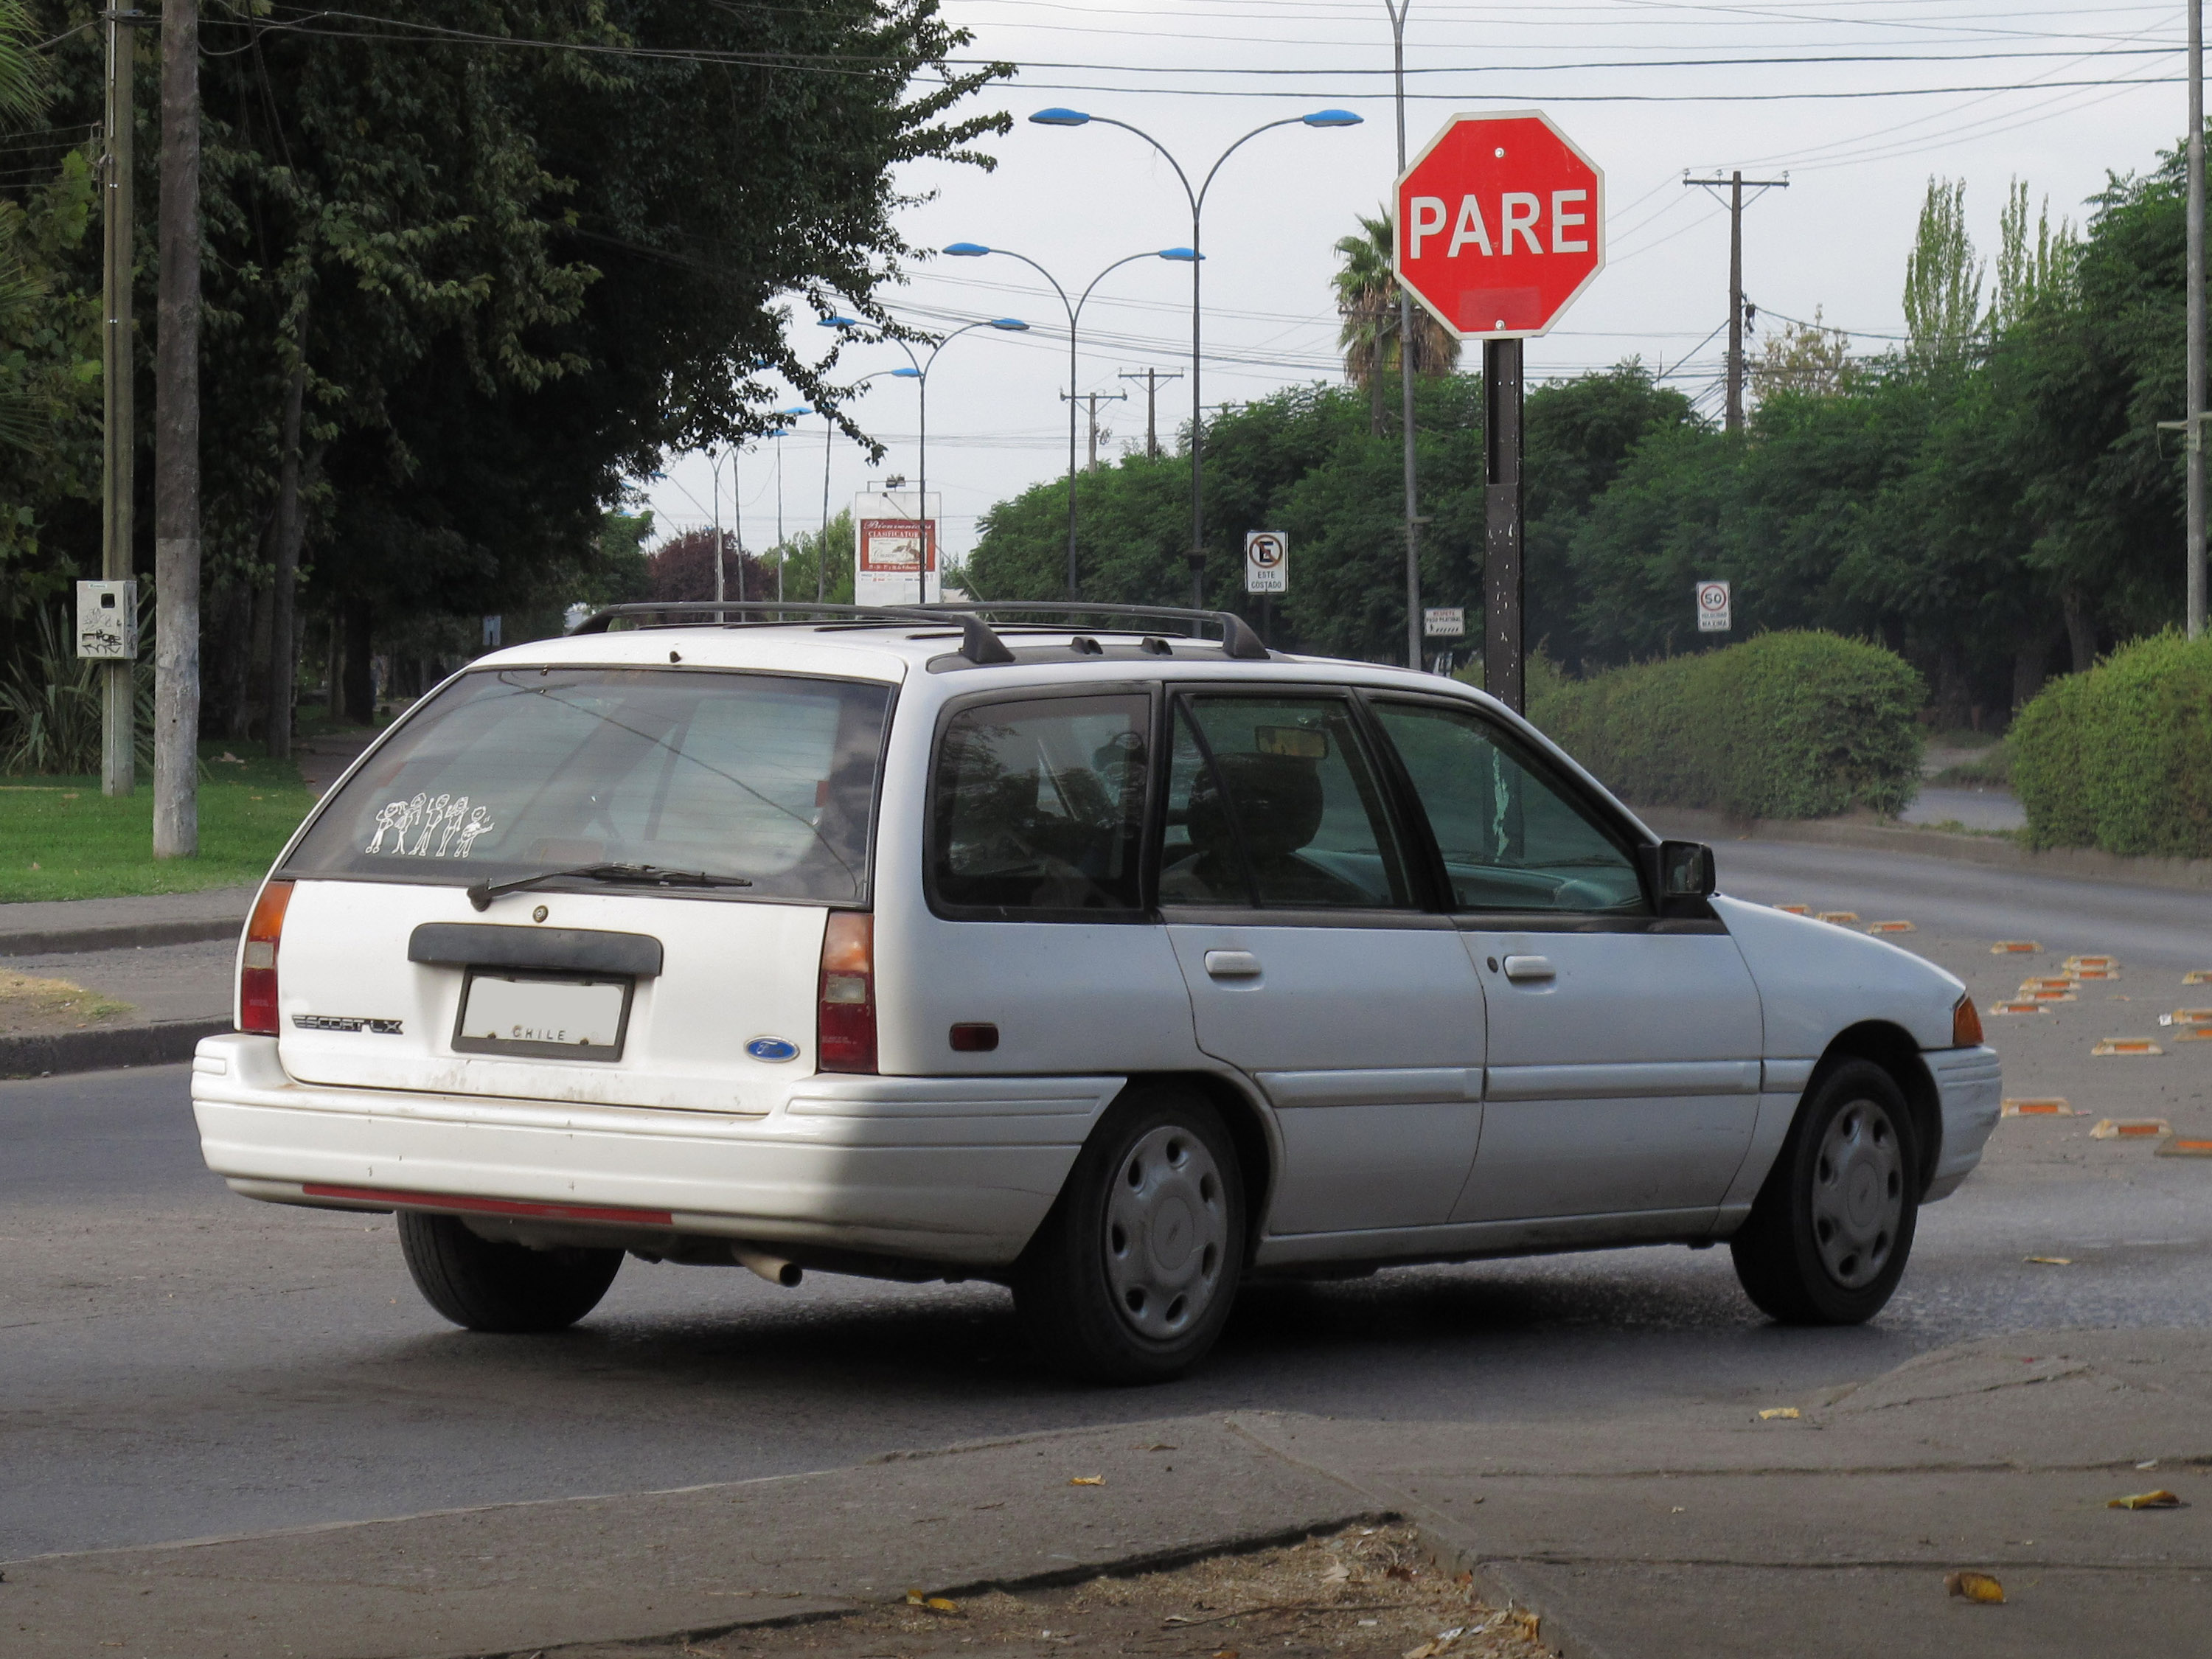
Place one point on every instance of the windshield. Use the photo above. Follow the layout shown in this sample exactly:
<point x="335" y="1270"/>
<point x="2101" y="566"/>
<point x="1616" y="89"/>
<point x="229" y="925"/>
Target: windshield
<point x="512" y="772"/>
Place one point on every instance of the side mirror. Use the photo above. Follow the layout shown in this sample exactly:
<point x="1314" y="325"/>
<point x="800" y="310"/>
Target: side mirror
<point x="1686" y="869"/>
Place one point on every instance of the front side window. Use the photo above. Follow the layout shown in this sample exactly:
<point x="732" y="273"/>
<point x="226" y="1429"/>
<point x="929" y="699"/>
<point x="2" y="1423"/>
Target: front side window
<point x="1272" y="803"/>
<point x="766" y="779"/>
<point x="1511" y="839"/>
<point x="1039" y="805"/>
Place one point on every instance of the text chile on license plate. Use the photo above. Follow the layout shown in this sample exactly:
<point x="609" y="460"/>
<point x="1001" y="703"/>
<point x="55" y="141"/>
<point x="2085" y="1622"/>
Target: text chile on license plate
<point x="543" y="1016"/>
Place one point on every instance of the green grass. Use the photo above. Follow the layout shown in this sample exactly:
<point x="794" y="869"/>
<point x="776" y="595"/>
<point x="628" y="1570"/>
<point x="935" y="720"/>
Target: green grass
<point x="60" y="838"/>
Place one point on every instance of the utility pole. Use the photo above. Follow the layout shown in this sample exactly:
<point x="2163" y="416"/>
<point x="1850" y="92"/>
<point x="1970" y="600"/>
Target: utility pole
<point x="1152" y="378"/>
<point x="1095" y="399"/>
<point x="119" y="735"/>
<point x="1504" y="673"/>
<point x="1736" y="184"/>
<point x="177" y="445"/>
<point x="2196" y="346"/>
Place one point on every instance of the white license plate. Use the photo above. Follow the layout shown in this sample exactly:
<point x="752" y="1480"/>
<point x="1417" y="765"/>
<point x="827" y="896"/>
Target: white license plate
<point x="545" y="1018"/>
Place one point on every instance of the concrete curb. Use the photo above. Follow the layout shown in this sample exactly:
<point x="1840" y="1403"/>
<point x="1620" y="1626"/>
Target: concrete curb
<point x="1991" y="852"/>
<point x="38" y="928"/>
<point x="75" y="941"/>
<point x="162" y="1043"/>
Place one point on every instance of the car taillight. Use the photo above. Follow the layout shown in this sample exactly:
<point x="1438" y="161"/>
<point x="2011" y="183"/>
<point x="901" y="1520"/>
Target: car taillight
<point x="845" y="1022"/>
<point x="1965" y="1023"/>
<point x="256" y="963"/>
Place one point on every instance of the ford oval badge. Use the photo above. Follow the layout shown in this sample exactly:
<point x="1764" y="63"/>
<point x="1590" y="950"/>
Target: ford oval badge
<point x="772" y="1048"/>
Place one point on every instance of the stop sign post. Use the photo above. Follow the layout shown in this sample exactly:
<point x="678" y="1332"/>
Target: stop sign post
<point x="1500" y="226"/>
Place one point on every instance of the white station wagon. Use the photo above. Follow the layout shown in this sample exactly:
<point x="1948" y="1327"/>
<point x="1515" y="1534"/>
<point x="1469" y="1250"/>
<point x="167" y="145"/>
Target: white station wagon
<point x="1116" y="967"/>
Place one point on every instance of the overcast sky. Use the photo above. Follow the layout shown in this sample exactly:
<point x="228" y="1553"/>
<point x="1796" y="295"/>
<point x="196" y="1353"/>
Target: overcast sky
<point x="1859" y="101"/>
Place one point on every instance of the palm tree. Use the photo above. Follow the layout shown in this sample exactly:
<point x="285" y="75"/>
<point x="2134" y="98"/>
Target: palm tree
<point x="1367" y="299"/>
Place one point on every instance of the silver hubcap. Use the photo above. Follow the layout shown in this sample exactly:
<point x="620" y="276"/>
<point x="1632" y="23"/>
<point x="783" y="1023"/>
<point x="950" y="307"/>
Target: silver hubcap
<point x="1858" y="1194"/>
<point x="1167" y="1233"/>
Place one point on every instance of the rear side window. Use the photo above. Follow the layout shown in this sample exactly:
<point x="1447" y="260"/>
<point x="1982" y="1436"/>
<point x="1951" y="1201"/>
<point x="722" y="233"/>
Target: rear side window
<point x="512" y="772"/>
<point x="1271" y="802"/>
<point x="1038" y="806"/>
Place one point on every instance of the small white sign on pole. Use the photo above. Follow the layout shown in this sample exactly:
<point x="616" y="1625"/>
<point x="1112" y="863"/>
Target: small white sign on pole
<point x="1445" y="622"/>
<point x="1266" y="562"/>
<point x="1714" y="614"/>
<point x="107" y="621"/>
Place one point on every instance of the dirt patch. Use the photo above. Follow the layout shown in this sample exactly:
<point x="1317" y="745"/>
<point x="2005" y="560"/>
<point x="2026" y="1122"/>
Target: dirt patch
<point x="34" y="1007"/>
<point x="1364" y="1593"/>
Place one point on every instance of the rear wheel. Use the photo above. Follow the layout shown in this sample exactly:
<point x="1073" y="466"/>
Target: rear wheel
<point x="1831" y="1229"/>
<point x="484" y="1286"/>
<point x="1131" y="1277"/>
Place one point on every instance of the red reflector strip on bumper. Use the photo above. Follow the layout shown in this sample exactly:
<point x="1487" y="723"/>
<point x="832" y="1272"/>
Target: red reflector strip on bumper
<point x="488" y="1206"/>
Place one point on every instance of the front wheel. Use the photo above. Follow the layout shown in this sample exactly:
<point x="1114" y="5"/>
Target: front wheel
<point x="1830" y="1232"/>
<point x="1131" y="1277"/>
<point x="484" y="1286"/>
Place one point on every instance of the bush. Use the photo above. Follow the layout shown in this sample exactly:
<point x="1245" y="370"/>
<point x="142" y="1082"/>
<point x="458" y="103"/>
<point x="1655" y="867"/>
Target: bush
<point x="1784" y="725"/>
<point x="51" y="702"/>
<point x="2121" y="758"/>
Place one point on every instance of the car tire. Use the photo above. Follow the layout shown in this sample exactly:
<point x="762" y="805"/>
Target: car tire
<point x="1131" y="1276"/>
<point x="506" y="1288"/>
<point x="1831" y="1229"/>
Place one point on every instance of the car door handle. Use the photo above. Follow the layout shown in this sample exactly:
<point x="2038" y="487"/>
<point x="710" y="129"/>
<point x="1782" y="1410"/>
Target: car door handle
<point x="1233" y="965"/>
<point x="1521" y="969"/>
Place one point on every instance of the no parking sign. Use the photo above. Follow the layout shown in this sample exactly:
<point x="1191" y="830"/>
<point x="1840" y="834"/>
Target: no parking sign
<point x="1266" y="562"/>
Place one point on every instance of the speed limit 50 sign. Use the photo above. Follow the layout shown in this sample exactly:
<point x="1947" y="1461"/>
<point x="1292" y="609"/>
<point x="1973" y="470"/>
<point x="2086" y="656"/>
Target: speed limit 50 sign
<point x="1713" y="608"/>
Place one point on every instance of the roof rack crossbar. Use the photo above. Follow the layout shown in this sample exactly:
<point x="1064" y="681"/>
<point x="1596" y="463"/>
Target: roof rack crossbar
<point x="978" y="642"/>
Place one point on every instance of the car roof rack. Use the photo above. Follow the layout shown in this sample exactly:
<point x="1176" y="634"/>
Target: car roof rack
<point x="978" y="643"/>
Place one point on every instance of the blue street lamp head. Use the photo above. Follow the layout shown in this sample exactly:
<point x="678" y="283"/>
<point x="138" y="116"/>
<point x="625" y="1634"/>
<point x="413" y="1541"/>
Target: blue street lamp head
<point x="968" y="250"/>
<point x="1331" y="117"/>
<point x="1010" y="324"/>
<point x="796" y="409"/>
<point x="839" y="322"/>
<point x="1059" y="117"/>
<point x="1188" y="256"/>
<point x="907" y="373"/>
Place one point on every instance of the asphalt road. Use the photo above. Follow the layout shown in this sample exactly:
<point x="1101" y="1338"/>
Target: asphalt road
<point x="176" y="1363"/>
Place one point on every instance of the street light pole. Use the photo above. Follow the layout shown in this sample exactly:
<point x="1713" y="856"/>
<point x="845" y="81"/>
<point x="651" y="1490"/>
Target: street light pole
<point x="1071" y="117"/>
<point x="1414" y="643"/>
<point x="1074" y="310"/>
<point x="2195" y="450"/>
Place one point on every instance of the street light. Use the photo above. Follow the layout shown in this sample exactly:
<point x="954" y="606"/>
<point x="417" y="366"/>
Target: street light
<point x="976" y="251"/>
<point x="782" y="555"/>
<point x="918" y="371"/>
<point x="1075" y="118"/>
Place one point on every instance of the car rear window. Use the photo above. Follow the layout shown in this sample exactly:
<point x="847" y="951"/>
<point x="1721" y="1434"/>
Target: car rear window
<point x="515" y="771"/>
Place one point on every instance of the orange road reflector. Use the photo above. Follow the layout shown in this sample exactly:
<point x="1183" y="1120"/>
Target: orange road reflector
<point x="2048" y="982"/>
<point x="2176" y="1146"/>
<point x="2192" y="1016"/>
<point x="2093" y="962"/>
<point x="2015" y="947"/>
<point x="2126" y="1046"/>
<point x="1795" y="909"/>
<point x="2048" y="1106"/>
<point x="1889" y="928"/>
<point x="1839" y="915"/>
<point x="2099" y="975"/>
<point x="2049" y="1260"/>
<point x="2030" y="993"/>
<point x="2193" y="1034"/>
<point x="2198" y="977"/>
<point x="2130" y="1128"/>
<point x="2016" y="1007"/>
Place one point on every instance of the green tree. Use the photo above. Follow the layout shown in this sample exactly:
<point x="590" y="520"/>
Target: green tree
<point x="1942" y="278"/>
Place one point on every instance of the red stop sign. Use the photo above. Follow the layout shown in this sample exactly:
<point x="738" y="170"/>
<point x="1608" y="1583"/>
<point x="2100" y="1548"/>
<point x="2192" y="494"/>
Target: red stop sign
<point x="1500" y="224"/>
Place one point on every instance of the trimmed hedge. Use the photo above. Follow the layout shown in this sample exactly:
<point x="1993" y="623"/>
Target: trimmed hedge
<point x="2121" y="758"/>
<point x="1785" y="725"/>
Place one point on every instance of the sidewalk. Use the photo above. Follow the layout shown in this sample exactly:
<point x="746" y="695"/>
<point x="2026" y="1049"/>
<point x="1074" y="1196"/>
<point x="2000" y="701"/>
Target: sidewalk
<point x="1709" y="1534"/>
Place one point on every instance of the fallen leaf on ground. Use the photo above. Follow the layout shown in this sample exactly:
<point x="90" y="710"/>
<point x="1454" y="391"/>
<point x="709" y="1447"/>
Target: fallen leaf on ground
<point x="2160" y="1499"/>
<point x="1974" y="1586"/>
<point x="1087" y="1480"/>
<point x="1336" y="1573"/>
<point x="915" y="1598"/>
<point x="1405" y="1573"/>
<point x="1772" y="1412"/>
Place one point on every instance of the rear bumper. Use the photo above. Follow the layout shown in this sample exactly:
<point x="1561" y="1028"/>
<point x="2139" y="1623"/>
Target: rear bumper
<point x="1971" y="1091"/>
<point x="953" y="1169"/>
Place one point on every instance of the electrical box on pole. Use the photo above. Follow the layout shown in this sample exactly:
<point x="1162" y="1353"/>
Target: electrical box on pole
<point x="1500" y="226"/>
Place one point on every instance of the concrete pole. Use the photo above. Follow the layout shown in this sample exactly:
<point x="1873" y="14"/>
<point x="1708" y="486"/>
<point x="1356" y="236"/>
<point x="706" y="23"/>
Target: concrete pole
<point x="2195" y="448"/>
<point x="1413" y="641"/>
<point x="1736" y="302"/>
<point x="119" y="734"/>
<point x="177" y="445"/>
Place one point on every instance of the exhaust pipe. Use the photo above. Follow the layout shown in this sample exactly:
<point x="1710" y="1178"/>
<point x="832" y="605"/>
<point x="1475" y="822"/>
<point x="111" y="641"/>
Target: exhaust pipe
<point x="773" y="1268"/>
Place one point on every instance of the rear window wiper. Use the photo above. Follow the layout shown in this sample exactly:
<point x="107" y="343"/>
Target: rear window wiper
<point x="629" y="875"/>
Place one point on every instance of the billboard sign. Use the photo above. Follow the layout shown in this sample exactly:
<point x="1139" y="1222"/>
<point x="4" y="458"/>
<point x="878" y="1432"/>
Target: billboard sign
<point x="896" y="547"/>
